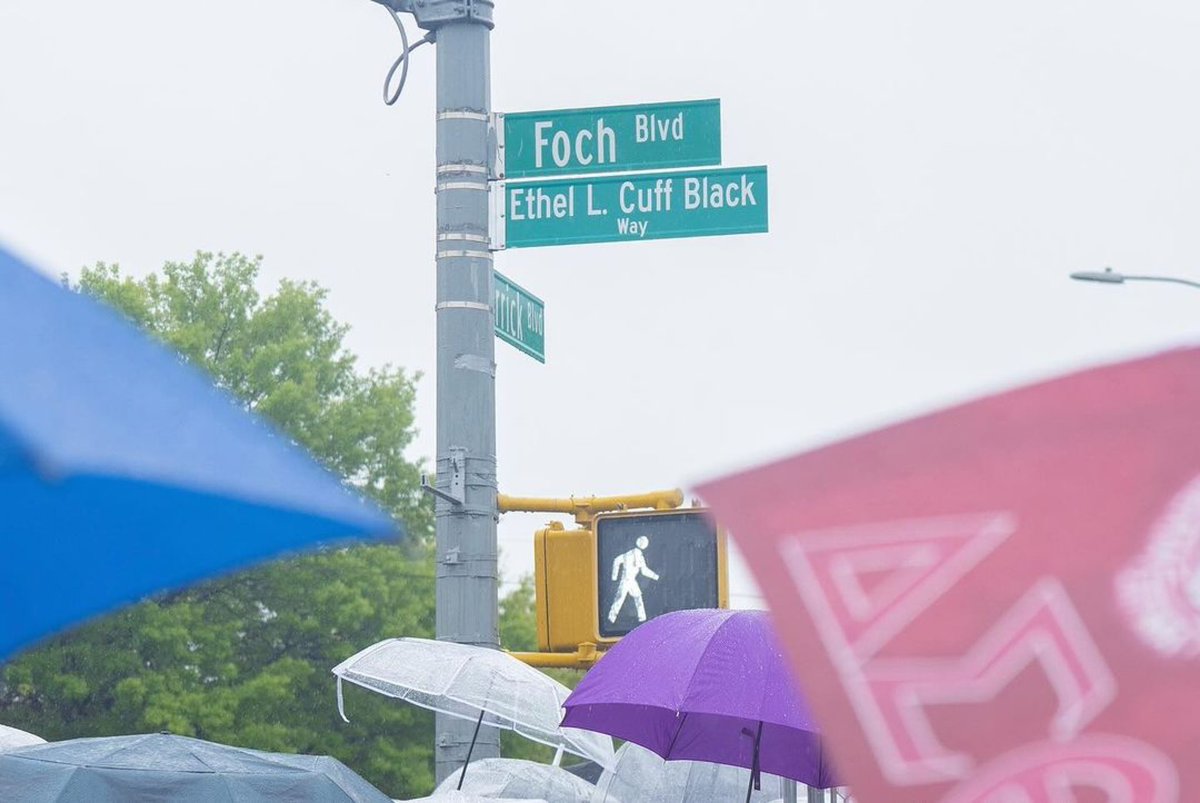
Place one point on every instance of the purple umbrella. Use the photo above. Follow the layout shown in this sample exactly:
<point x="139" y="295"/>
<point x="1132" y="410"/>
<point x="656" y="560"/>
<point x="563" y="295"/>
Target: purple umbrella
<point x="705" y="685"/>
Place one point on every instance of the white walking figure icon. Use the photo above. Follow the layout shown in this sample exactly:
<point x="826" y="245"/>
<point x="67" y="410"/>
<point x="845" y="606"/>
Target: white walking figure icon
<point x="627" y="566"/>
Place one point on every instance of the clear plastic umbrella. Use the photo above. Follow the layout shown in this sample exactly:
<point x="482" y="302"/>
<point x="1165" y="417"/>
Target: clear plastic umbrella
<point x="12" y="738"/>
<point x="516" y="778"/>
<point x="462" y="797"/>
<point x="483" y="685"/>
<point x="640" y="776"/>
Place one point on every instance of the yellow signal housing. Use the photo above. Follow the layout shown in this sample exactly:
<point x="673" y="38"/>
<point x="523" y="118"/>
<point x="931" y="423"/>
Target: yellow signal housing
<point x="579" y="574"/>
<point x="564" y="572"/>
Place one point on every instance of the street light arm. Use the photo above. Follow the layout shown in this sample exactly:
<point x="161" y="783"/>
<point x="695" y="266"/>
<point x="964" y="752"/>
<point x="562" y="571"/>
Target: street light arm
<point x="1106" y="276"/>
<point x="1110" y="276"/>
<point x="1170" y="279"/>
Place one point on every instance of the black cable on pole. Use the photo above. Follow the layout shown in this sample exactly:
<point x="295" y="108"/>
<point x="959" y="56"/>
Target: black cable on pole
<point x="401" y="62"/>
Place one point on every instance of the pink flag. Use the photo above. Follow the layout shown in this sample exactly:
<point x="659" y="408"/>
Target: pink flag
<point x="999" y="602"/>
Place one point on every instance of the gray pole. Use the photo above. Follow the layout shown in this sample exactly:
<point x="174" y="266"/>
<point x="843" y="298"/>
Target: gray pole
<point x="466" y="382"/>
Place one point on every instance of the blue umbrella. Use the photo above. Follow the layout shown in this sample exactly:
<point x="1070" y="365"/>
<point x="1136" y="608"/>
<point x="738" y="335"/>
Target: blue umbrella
<point x="124" y="472"/>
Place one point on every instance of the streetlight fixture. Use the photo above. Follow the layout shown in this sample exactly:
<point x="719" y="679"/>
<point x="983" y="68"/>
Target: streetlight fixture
<point x="1110" y="276"/>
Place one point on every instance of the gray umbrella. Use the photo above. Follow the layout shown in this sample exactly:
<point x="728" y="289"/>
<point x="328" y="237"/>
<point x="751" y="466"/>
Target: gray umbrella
<point x="161" y="767"/>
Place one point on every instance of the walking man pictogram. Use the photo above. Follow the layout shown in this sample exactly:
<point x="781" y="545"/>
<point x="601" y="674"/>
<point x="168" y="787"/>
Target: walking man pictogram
<point x="627" y="566"/>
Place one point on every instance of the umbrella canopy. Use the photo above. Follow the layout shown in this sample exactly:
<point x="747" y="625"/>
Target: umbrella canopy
<point x="515" y="778"/>
<point x="12" y="738"/>
<point x="124" y="472"/>
<point x="158" y="767"/>
<point x="454" y="796"/>
<point x="641" y="776"/>
<point x="705" y="685"/>
<point x="465" y="681"/>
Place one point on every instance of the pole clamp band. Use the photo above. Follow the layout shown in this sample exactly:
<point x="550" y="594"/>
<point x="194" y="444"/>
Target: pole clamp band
<point x="467" y="254"/>
<point x="462" y="237"/>
<point x="461" y="167"/>
<point x="477" y="186"/>
<point x="463" y="114"/>
<point x="441" y="305"/>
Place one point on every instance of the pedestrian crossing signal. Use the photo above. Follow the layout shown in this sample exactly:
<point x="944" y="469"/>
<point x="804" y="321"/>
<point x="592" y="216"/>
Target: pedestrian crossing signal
<point x="651" y="563"/>
<point x="621" y="568"/>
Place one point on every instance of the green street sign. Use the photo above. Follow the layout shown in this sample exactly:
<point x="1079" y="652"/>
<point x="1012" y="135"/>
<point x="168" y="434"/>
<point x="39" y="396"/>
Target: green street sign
<point x="647" y="136"/>
<point x="642" y="206"/>
<point x="520" y="317"/>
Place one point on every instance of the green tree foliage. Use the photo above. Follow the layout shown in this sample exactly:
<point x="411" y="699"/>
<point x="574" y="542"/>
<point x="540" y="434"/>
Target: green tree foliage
<point x="284" y="358"/>
<point x="518" y="619"/>
<point x="245" y="659"/>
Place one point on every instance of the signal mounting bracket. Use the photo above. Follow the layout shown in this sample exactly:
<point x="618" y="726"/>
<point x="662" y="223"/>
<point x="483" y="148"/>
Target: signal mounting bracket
<point x="457" y="493"/>
<point x="432" y="13"/>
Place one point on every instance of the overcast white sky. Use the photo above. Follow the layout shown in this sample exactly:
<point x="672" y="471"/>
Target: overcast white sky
<point x="936" y="168"/>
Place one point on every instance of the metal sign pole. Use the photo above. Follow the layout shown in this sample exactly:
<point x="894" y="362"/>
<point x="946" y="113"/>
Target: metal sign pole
<point x="466" y="384"/>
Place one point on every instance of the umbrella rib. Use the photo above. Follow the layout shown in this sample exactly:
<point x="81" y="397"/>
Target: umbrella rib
<point x="703" y="653"/>
<point x="674" y="736"/>
<point x="462" y="667"/>
<point x="225" y="782"/>
<point x="242" y="751"/>
<point x="116" y="750"/>
<point x="487" y="695"/>
<point x="361" y="654"/>
<point x="203" y="763"/>
<point x="70" y="777"/>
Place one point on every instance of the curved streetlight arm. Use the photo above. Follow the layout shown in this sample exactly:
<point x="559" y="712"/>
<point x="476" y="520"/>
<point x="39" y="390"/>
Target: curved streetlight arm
<point x="1110" y="276"/>
<point x="1171" y="279"/>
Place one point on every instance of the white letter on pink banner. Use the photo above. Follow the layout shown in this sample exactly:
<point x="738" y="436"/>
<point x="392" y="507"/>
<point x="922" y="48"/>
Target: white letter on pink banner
<point x="919" y="561"/>
<point x="1123" y="770"/>
<point x="1043" y="628"/>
